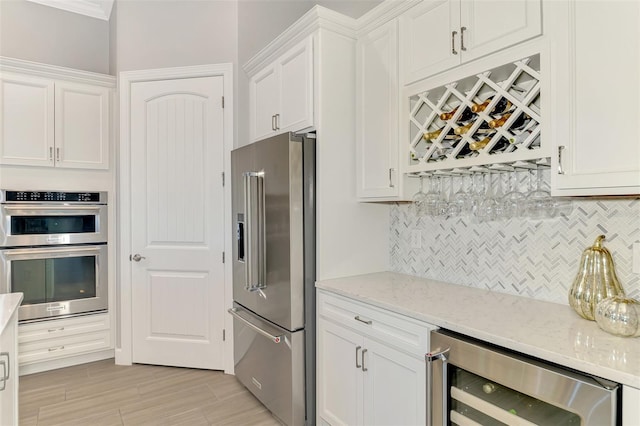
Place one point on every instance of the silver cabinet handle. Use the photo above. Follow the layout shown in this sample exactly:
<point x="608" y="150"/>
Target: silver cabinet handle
<point x="6" y="367"/>
<point x="51" y="330"/>
<point x="255" y="246"/>
<point x="357" y="318"/>
<point x="59" y="348"/>
<point x="3" y="363"/>
<point x="560" y="169"/>
<point x="277" y="121"/>
<point x="453" y="42"/>
<point x="462" y="46"/>
<point x="430" y="358"/>
<point x="358" y="350"/>
<point x="391" y="185"/>
<point x="50" y="153"/>
<point x="273" y="122"/>
<point x="58" y="154"/>
<point x="273" y="338"/>
<point x="136" y="257"/>
<point x="364" y="351"/>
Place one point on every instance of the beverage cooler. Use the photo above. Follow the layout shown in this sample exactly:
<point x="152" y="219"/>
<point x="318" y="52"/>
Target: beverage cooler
<point x="470" y="382"/>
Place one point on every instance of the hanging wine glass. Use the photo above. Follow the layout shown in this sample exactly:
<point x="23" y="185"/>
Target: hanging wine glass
<point x="433" y="196"/>
<point x="512" y="202"/>
<point x="539" y="202"/>
<point x="418" y="199"/>
<point x="442" y="206"/>
<point x="458" y="201"/>
<point x="486" y="209"/>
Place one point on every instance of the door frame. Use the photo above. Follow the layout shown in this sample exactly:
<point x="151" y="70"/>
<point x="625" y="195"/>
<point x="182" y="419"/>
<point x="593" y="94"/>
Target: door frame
<point x="124" y="336"/>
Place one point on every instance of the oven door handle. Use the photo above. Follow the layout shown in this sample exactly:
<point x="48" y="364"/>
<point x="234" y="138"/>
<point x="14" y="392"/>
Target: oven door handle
<point x="430" y="358"/>
<point x="52" y="209"/>
<point x="48" y="252"/>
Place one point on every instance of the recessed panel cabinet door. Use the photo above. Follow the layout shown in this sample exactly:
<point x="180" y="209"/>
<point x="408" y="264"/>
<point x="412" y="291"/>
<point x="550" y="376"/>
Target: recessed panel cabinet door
<point x="82" y="126"/>
<point x="264" y="100"/>
<point x="296" y="88"/>
<point x="597" y="104"/>
<point x="26" y="120"/>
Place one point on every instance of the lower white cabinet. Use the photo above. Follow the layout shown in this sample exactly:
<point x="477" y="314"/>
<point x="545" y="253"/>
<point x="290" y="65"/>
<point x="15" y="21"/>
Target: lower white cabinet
<point x="9" y="373"/>
<point x="55" y="339"/>
<point x="370" y="364"/>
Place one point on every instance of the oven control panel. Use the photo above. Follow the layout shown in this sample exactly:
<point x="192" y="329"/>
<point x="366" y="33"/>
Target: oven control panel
<point x="7" y="196"/>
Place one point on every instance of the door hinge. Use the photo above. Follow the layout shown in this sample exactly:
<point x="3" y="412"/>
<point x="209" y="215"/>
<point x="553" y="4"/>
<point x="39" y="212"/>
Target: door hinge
<point x="222" y="257"/>
<point x="222" y="178"/>
<point x="223" y="102"/>
<point x="224" y="334"/>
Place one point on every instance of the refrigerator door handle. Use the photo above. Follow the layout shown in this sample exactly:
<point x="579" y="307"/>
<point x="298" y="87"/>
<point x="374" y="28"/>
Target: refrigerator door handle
<point x="274" y="338"/>
<point x="254" y="241"/>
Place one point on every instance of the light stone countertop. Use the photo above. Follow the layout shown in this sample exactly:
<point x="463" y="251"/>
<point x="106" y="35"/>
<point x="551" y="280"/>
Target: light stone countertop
<point x="546" y="330"/>
<point x="8" y="305"/>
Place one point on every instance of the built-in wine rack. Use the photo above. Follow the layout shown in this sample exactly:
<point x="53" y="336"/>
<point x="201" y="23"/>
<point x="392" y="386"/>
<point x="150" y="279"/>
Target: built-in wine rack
<point x="491" y="118"/>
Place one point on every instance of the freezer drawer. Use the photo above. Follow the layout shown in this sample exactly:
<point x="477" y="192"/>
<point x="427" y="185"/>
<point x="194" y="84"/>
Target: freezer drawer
<point x="269" y="361"/>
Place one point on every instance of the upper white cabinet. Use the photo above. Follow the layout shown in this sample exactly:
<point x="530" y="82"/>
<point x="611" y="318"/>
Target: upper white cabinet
<point x="377" y="113"/>
<point x="281" y="94"/>
<point x="438" y="35"/>
<point x="46" y="121"/>
<point x="596" y="104"/>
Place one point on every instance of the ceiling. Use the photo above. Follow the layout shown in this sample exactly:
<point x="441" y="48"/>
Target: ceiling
<point x="100" y="9"/>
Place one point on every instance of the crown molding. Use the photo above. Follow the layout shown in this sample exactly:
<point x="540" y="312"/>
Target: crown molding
<point x="100" y="9"/>
<point x="55" y="72"/>
<point x="384" y="12"/>
<point x="316" y="18"/>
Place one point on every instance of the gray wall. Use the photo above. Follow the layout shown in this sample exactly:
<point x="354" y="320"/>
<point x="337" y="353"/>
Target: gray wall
<point x="39" y="33"/>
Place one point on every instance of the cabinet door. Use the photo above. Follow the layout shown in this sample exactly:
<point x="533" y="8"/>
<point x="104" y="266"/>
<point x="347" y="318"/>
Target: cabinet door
<point x="429" y="39"/>
<point x="339" y="390"/>
<point x="394" y="386"/>
<point x="26" y="120"/>
<point x="597" y="107"/>
<point x="264" y="100"/>
<point x="487" y="26"/>
<point x="296" y="88"/>
<point x="82" y="126"/>
<point x="377" y="113"/>
<point x="9" y="367"/>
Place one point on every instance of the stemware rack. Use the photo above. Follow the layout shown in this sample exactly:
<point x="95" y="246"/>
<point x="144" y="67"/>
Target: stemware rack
<point x="458" y="144"/>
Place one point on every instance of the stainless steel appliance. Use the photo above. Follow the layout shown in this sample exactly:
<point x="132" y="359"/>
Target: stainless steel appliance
<point x="53" y="248"/>
<point x="274" y="273"/>
<point x="477" y="383"/>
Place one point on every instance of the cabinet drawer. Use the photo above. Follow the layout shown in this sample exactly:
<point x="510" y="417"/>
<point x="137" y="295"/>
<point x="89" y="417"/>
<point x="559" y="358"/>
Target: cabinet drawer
<point x="405" y="333"/>
<point x="53" y="329"/>
<point x="48" y="349"/>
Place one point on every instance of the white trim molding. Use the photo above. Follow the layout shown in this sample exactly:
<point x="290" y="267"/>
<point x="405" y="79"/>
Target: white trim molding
<point x="38" y="69"/>
<point x="100" y="9"/>
<point x="123" y="352"/>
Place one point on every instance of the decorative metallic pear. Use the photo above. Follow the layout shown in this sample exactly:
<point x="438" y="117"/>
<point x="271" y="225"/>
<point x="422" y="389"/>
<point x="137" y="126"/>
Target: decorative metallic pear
<point x="596" y="280"/>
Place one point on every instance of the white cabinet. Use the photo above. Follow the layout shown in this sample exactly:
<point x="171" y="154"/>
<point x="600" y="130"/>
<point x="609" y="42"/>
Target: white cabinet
<point x="630" y="406"/>
<point x="370" y="364"/>
<point x="9" y="370"/>
<point x="596" y="104"/>
<point x="377" y="113"/>
<point x="54" y="339"/>
<point x="281" y="94"/>
<point x="438" y="35"/>
<point x="50" y="122"/>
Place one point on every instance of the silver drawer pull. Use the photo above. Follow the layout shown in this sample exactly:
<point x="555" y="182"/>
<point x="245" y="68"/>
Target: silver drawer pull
<point x="59" y="348"/>
<point x="52" y="330"/>
<point x="357" y="318"/>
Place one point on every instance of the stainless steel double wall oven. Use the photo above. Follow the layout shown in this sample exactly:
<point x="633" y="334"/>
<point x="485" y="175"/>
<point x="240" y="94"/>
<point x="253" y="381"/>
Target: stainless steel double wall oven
<point x="53" y="248"/>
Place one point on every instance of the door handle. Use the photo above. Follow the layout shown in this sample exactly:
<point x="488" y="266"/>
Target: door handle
<point x="273" y="338"/>
<point x="273" y="122"/>
<point x="277" y="121"/>
<point x="366" y="321"/>
<point x="560" y="169"/>
<point x="453" y="42"/>
<point x="364" y="351"/>
<point x="358" y="350"/>
<point x="136" y="257"/>
<point x="430" y="358"/>
<point x="58" y="154"/>
<point x="462" y="46"/>
<point x="254" y="239"/>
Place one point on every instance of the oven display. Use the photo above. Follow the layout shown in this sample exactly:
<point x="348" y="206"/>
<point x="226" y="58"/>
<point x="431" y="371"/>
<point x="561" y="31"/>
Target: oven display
<point x="44" y="196"/>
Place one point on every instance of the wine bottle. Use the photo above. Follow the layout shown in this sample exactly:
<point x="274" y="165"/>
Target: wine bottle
<point x="518" y="123"/>
<point x="466" y="115"/>
<point x="436" y="133"/>
<point x="484" y="128"/>
<point x="502" y="106"/>
<point x="499" y="146"/>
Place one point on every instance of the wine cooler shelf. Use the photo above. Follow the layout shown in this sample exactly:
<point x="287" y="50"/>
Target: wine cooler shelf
<point x="490" y="118"/>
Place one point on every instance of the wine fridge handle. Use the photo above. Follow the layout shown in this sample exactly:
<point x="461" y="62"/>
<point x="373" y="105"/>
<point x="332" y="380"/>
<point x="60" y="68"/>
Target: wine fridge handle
<point x="453" y="42"/>
<point x="560" y="169"/>
<point x="430" y="358"/>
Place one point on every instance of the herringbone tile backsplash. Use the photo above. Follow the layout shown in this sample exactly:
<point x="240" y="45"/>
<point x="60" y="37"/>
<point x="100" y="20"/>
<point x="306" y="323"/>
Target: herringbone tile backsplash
<point x="532" y="258"/>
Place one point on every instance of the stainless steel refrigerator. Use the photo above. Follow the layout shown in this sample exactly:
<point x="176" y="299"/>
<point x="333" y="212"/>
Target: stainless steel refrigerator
<point x="273" y="187"/>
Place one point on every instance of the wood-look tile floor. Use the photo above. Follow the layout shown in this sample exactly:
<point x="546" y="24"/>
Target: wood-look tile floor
<point x="102" y="393"/>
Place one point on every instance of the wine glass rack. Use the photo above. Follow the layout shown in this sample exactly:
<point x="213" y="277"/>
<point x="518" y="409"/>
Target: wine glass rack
<point x="491" y="119"/>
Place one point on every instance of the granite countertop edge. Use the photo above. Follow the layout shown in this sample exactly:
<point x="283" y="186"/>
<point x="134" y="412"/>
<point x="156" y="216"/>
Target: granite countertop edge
<point x="545" y="330"/>
<point x="9" y="303"/>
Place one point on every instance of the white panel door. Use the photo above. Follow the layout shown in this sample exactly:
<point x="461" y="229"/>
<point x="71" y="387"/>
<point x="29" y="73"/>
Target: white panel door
<point x="339" y="374"/>
<point x="264" y="99"/>
<point x="26" y="120"/>
<point x="82" y="126"/>
<point x="394" y="386"/>
<point x="177" y="222"/>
